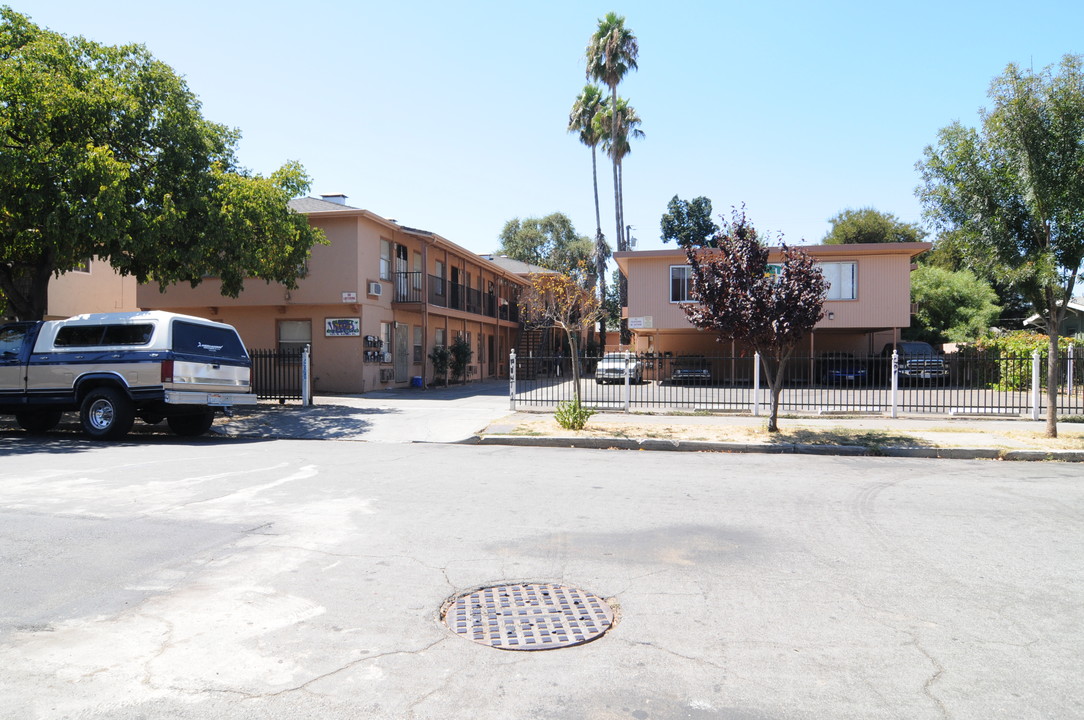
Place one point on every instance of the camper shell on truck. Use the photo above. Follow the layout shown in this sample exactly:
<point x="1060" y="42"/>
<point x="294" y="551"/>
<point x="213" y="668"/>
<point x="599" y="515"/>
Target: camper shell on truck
<point x="115" y="367"/>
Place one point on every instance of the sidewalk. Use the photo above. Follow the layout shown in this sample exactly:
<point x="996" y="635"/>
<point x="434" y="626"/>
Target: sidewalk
<point x="483" y="418"/>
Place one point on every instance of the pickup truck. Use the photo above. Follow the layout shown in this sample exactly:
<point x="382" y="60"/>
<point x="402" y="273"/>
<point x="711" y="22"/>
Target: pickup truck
<point x="918" y="361"/>
<point x="114" y="367"/>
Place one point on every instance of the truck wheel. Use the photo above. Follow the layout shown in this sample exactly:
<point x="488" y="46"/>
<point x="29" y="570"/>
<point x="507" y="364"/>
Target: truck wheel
<point x="38" y="422"/>
<point x="191" y="425"/>
<point x="106" y="414"/>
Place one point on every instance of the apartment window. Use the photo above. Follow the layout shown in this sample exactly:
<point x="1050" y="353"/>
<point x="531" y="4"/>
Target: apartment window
<point x="681" y="283"/>
<point x="385" y="259"/>
<point x="842" y="279"/>
<point x="294" y="334"/>
<point x="385" y="335"/>
<point x="417" y="271"/>
<point x="83" y="266"/>
<point x="440" y="338"/>
<point x="440" y="278"/>
<point x="417" y="343"/>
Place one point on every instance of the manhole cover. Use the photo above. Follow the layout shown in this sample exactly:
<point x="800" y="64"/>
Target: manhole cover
<point x="528" y="617"/>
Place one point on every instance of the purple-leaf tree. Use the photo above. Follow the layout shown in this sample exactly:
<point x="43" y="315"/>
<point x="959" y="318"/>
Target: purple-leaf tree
<point x="768" y="307"/>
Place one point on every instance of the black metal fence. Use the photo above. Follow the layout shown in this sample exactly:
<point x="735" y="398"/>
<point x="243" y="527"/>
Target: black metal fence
<point x="954" y="384"/>
<point x="277" y="374"/>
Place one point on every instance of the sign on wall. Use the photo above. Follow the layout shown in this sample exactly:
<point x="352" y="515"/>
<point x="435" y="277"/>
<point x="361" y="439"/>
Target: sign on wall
<point x="350" y="297"/>
<point x="647" y="322"/>
<point x="342" y="327"/>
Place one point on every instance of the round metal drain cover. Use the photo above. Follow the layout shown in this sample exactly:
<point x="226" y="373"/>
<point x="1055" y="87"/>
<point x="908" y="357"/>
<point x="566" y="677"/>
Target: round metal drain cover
<point x="528" y="617"/>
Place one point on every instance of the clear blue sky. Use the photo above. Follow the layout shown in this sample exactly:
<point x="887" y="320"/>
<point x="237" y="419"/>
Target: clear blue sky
<point x="451" y="116"/>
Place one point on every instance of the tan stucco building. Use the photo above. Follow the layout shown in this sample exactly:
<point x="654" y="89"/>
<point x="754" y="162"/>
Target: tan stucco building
<point x="372" y="304"/>
<point x="869" y="299"/>
<point x="91" y="288"/>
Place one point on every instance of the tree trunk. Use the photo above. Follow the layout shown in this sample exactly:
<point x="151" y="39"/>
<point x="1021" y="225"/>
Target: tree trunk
<point x="600" y="255"/>
<point x="1052" y="373"/>
<point x="25" y="286"/>
<point x="775" y="386"/>
<point x="626" y="335"/>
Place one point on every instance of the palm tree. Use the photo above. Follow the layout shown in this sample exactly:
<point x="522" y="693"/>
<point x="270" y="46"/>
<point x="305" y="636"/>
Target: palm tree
<point x="611" y="53"/>
<point x="628" y="123"/>
<point x="582" y="120"/>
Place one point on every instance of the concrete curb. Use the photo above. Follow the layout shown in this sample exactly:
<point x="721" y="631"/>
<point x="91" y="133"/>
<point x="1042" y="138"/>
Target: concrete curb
<point x="596" y="443"/>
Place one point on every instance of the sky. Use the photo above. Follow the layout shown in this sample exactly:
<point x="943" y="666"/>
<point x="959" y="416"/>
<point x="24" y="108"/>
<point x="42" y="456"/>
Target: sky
<point x="452" y="117"/>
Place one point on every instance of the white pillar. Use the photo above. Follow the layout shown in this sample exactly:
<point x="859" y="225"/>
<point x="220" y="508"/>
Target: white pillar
<point x="895" y="383"/>
<point x="512" y="379"/>
<point x="756" y="384"/>
<point x="1035" y="394"/>
<point x="306" y="376"/>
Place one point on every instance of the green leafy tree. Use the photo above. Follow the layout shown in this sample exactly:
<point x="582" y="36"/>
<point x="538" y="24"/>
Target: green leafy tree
<point x="689" y="223"/>
<point x="104" y="153"/>
<point x="1013" y="192"/>
<point x="739" y="297"/>
<point x="867" y="225"/>
<point x="611" y="53"/>
<point x="952" y="306"/>
<point x="550" y="242"/>
<point x="581" y="120"/>
<point x="460" y="357"/>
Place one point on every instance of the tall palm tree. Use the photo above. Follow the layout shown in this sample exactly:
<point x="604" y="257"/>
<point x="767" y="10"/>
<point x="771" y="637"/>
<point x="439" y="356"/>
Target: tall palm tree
<point x="617" y="146"/>
<point x="611" y="53"/>
<point x="582" y="120"/>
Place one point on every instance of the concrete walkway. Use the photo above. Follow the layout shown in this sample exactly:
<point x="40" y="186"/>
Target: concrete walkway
<point x="480" y="413"/>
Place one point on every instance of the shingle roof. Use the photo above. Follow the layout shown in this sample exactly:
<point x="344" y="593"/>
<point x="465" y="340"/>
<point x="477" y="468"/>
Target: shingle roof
<point x="311" y="204"/>
<point x="516" y="266"/>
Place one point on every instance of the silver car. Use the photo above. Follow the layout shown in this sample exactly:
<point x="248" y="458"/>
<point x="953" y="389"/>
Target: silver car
<point x="612" y="368"/>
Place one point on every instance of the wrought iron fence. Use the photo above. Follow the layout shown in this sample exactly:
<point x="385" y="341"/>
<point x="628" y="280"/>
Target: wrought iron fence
<point x="277" y="374"/>
<point x="950" y="384"/>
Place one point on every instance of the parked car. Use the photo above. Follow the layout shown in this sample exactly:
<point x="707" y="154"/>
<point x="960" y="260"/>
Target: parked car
<point x="834" y="368"/>
<point x="691" y="369"/>
<point x="917" y="361"/>
<point x="612" y="368"/>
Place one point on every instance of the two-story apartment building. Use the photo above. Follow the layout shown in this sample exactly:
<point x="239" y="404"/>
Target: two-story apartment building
<point x="372" y="303"/>
<point x="868" y="302"/>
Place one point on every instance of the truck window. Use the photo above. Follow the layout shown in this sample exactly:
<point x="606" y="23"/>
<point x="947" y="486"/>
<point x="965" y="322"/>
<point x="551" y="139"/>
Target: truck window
<point x="97" y="335"/>
<point x="11" y="339"/>
<point x="196" y="339"/>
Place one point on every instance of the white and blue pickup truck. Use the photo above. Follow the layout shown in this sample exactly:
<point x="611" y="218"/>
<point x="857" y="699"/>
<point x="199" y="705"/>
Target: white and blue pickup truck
<point x="112" y="368"/>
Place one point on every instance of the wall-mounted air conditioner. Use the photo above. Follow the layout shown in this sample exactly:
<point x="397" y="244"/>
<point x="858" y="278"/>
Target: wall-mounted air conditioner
<point x="376" y="289"/>
<point x="387" y="357"/>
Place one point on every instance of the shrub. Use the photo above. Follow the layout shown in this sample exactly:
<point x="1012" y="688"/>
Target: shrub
<point x="461" y="355"/>
<point x="572" y="415"/>
<point x="440" y="357"/>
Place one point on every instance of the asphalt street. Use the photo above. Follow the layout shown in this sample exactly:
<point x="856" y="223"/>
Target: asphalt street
<point x="242" y="578"/>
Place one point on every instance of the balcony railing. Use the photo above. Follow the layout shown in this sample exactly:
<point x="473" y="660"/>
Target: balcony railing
<point x="454" y="296"/>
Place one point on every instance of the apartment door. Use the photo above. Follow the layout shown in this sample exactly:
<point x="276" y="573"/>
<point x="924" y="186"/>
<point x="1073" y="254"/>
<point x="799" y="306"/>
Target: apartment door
<point x="402" y="284"/>
<point x="402" y="352"/>
<point x="454" y="299"/>
<point x="492" y="356"/>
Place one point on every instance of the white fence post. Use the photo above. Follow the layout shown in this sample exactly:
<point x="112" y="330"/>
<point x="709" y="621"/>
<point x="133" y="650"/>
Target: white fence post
<point x="756" y="384"/>
<point x="1035" y="385"/>
<point x="895" y="384"/>
<point x="1069" y="373"/>
<point x="628" y="383"/>
<point x="306" y="376"/>
<point x="512" y="380"/>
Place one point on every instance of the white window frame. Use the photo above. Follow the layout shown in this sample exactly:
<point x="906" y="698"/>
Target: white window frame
<point x="385" y="259"/>
<point x="688" y="284"/>
<point x="842" y="279"/>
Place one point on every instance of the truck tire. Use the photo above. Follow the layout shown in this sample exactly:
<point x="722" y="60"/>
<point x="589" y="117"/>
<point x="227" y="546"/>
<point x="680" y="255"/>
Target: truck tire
<point x="106" y="414"/>
<point x="38" y="422"/>
<point x="191" y="425"/>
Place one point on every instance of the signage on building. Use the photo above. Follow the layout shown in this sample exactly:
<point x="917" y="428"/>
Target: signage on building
<point x="645" y="322"/>
<point x="342" y="327"/>
<point x="350" y="297"/>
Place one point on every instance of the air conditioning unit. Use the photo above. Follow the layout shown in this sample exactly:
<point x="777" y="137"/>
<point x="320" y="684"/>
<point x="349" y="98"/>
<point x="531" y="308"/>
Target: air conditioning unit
<point x="387" y="357"/>
<point x="376" y="289"/>
<point x="386" y="375"/>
